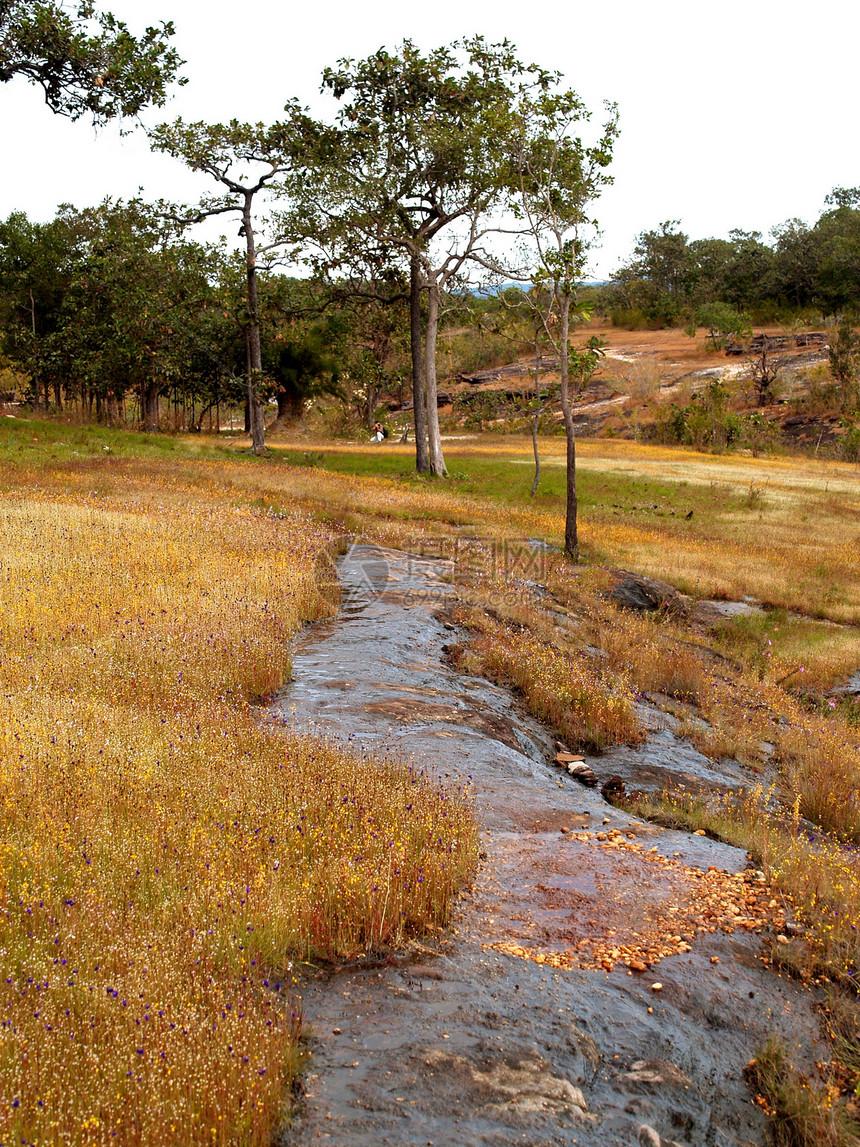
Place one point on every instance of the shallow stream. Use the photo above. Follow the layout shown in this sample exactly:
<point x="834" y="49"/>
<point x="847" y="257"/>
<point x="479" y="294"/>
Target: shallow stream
<point x="461" y="1043"/>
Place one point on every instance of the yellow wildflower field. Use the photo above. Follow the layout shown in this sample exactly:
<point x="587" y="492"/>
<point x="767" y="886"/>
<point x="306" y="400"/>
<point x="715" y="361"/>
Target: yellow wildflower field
<point x="167" y="851"/>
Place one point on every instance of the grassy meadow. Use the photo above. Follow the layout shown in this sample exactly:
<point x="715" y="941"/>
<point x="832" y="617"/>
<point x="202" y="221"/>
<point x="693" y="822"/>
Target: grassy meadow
<point x="168" y="853"/>
<point x="750" y="516"/>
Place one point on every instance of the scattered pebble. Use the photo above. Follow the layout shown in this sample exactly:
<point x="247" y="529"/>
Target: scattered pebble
<point x="704" y="902"/>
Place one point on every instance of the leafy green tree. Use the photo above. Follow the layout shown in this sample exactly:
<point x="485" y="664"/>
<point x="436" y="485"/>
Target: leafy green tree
<point x="748" y="274"/>
<point x="795" y="263"/>
<point x="299" y="347"/>
<point x="86" y="62"/>
<point x="844" y="356"/>
<point x="97" y="306"/>
<point x="38" y="262"/>
<point x="423" y="163"/>
<point x="559" y="178"/>
<point x="367" y="301"/>
<point x="247" y="160"/>
<point x="658" y="279"/>
<point x="372" y="350"/>
<point x="663" y="257"/>
<point x="841" y="197"/>
<point x="721" y="322"/>
<point x="709" y="263"/>
<point x="837" y="235"/>
<point x="129" y="316"/>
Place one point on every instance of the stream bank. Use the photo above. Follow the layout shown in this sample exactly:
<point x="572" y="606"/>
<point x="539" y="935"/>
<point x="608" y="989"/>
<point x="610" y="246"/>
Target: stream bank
<point x="513" y="1029"/>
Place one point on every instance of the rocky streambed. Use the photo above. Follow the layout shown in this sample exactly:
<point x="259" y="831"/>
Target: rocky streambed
<point x="549" y="1014"/>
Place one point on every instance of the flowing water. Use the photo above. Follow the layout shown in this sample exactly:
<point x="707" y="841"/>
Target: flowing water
<point x="458" y="1042"/>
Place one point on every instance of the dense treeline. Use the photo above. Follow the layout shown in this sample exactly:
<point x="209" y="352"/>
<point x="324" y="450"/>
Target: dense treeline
<point x="107" y="311"/>
<point x="804" y="268"/>
<point x="104" y="313"/>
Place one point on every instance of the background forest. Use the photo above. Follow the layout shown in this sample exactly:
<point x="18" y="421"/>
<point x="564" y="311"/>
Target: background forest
<point x="106" y="316"/>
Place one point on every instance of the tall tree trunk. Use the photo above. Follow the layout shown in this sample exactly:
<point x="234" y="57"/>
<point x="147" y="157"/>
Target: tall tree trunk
<point x="58" y="393"/>
<point x="571" y="539"/>
<point x="434" y="440"/>
<point x="197" y="423"/>
<point x="571" y="536"/>
<point x="419" y="409"/>
<point x="370" y="404"/>
<point x="149" y="406"/>
<point x="255" y="407"/>
<point x="537" y="416"/>
<point x="536" y="478"/>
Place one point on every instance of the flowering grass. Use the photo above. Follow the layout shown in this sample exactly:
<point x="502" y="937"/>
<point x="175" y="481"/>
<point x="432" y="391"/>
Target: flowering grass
<point x="167" y="852"/>
<point x="590" y="707"/>
<point x="804" y="1113"/>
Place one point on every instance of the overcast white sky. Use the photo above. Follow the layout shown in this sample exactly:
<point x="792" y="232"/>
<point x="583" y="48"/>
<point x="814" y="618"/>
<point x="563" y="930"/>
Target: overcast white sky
<point x="737" y="114"/>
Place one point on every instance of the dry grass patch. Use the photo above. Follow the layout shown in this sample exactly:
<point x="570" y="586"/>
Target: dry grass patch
<point x="804" y="1113"/>
<point x="166" y="855"/>
<point x="806" y="519"/>
<point x="589" y="706"/>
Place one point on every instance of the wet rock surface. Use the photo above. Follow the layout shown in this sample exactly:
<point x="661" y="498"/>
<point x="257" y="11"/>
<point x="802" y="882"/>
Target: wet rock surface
<point x="463" y="1042"/>
<point x="665" y="759"/>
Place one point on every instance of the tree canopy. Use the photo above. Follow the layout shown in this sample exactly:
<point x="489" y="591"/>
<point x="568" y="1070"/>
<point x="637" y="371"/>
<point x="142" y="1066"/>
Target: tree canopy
<point x="86" y="62"/>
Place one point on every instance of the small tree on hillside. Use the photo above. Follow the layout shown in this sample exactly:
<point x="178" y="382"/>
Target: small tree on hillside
<point x="765" y="373"/>
<point x="844" y="356"/>
<point x="559" y="178"/>
<point x="721" y="322"/>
